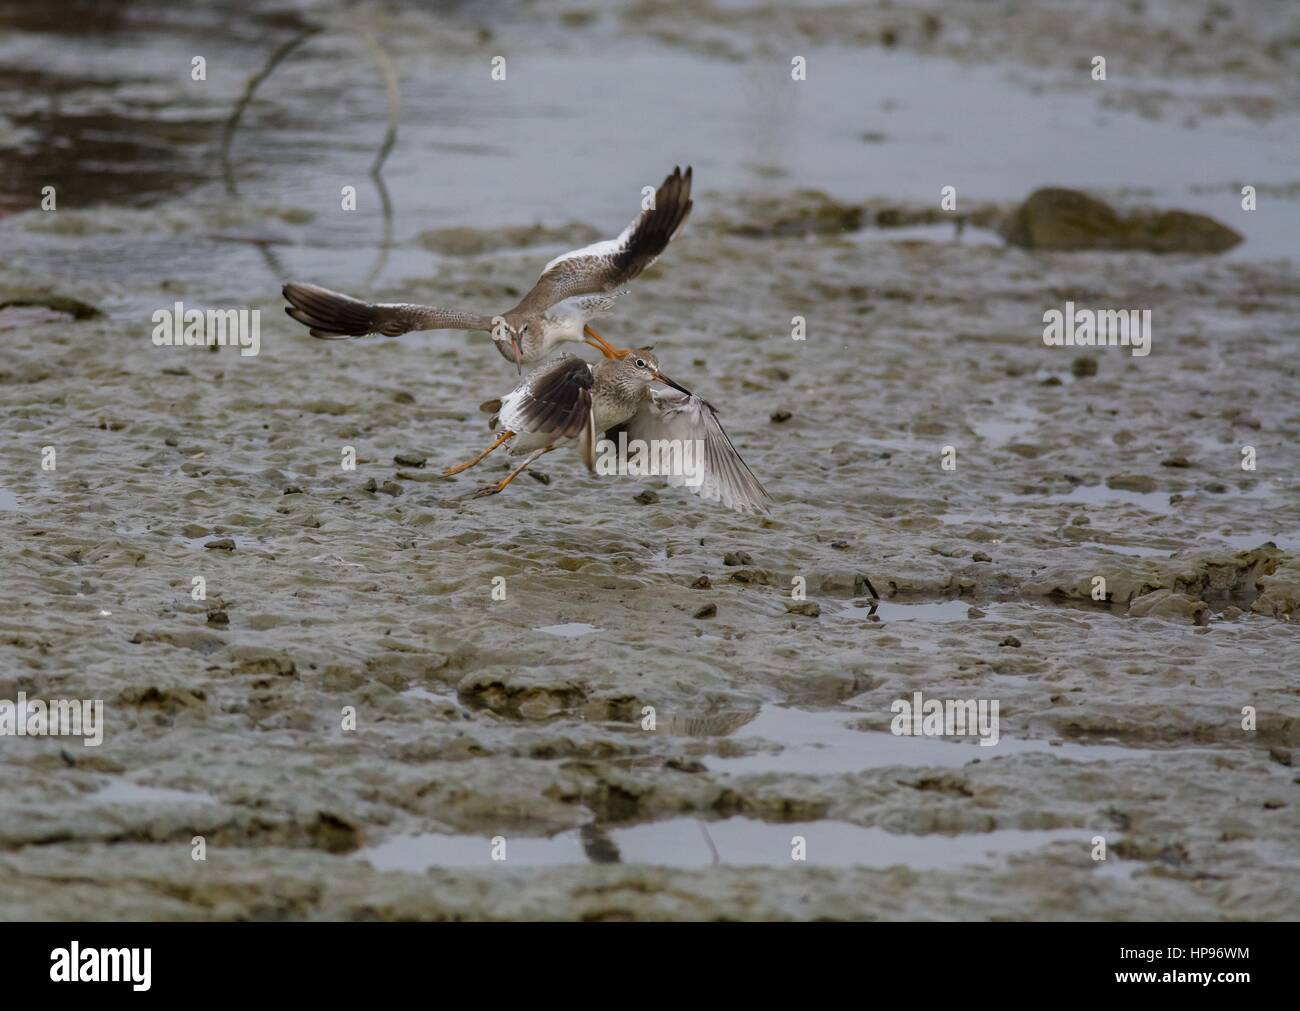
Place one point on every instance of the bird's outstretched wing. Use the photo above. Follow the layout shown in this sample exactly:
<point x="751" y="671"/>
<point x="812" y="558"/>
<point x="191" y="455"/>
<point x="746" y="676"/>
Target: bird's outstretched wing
<point x="553" y="403"/>
<point x="726" y="478"/>
<point x="554" y="399"/>
<point x="334" y="316"/>
<point x="606" y="266"/>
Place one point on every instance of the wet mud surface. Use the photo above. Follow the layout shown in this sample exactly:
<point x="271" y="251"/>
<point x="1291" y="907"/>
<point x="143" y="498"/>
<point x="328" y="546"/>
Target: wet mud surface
<point x="522" y="718"/>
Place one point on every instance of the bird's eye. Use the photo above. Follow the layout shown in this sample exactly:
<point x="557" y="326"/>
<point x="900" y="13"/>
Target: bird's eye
<point x="640" y="363"/>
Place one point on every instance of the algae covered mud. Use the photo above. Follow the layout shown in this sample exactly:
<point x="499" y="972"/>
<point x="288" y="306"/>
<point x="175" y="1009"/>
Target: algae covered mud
<point x="360" y="693"/>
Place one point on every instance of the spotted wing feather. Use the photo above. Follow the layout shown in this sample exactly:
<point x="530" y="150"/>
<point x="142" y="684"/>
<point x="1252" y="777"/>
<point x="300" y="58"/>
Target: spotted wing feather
<point x="554" y="400"/>
<point x="605" y="266"/>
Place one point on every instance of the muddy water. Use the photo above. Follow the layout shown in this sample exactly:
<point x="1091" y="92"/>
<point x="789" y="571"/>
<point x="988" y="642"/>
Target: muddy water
<point x="526" y="719"/>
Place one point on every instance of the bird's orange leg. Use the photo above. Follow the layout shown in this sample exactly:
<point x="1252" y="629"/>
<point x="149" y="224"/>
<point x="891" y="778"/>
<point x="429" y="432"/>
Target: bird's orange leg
<point x="496" y="489"/>
<point x="604" y="346"/>
<point x="478" y="459"/>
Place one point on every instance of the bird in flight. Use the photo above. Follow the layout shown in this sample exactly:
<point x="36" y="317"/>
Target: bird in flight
<point x="570" y="401"/>
<point x="574" y="288"/>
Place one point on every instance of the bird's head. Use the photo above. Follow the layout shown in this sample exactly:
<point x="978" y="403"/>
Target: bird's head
<point x="638" y="368"/>
<point x="509" y="339"/>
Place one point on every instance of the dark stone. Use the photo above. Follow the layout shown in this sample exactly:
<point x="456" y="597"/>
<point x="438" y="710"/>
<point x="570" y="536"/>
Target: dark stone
<point x="1064" y="219"/>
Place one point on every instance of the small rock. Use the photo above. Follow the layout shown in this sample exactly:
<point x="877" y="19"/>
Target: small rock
<point x="260" y="660"/>
<point x="1140" y="483"/>
<point x="646" y="497"/>
<point x="540" y="476"/>
<point x="1167" y="604"/>
<point x="980" y="556"/>
<point x="737" y="558"/>
<point x="1177" y="460"/>
<point x="781" y="415"/>
<point x="391" y="488"/>
<point x="840" y="545"/>
<point x="701" y="584"/>
<point x="218" y="616"/>
<point x="293" y="489"/>
<point x="1084" y="366"/>
<point x="1281" y="756"/>
<point x="409" y="460"/>
<point x="707" y="611"/>
<point x="371" y="486"/>
<point x="402" y="397"/>
<point x="808" y="608"/>
<point x="221" y="544"/>
<point x="1010" y="640"/>
<point x="1055" y="218"/>
<point x="974" y="612"/>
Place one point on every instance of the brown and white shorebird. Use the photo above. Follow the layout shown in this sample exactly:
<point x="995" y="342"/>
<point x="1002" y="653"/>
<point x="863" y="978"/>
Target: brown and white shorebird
<point x="574" y="288"/>
<point x="572" y="401"/>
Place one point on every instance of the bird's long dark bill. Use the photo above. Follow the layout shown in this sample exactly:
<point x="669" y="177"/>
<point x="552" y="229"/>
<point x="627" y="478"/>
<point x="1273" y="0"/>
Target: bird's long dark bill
<point x="668" y="382"/>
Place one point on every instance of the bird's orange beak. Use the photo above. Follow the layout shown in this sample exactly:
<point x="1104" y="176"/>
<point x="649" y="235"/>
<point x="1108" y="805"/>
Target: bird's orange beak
<point x="519" y="353"/>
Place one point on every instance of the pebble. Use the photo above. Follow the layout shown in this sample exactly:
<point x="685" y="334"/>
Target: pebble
<point x="1010" y="640"/>
<point x="737" y="558"/>
<point x="701" y="584"/>
<point x="409" y="460"/>
<point x="707" y="611"/>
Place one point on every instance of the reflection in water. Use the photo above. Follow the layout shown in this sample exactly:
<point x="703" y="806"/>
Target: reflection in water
<point x="393" y="93"/>
<point x="738" y="842"/>
<point x="829" y="742"/>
